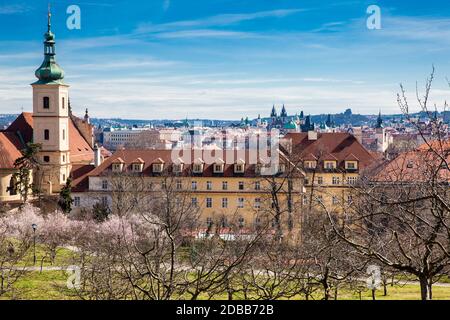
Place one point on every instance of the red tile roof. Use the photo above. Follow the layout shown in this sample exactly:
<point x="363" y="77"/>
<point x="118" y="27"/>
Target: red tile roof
<point x="80" y="150"/>
<point x="150" y="156"/>
<point x="9" y="150"/>
<point x="330" y="146"/>
<point x="23" y="125"/>
<point x="414" y="166"/>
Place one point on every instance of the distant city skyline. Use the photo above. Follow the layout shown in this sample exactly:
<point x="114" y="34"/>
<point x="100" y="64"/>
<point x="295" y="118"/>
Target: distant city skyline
<point x="222" y="59"/>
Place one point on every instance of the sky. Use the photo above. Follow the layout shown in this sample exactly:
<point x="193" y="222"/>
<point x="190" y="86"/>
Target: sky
<point x="224" y="59"/>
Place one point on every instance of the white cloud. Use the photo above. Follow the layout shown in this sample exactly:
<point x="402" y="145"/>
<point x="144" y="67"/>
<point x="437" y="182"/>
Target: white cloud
<point x="215" y="21"/>
<point x="13" y="9"/>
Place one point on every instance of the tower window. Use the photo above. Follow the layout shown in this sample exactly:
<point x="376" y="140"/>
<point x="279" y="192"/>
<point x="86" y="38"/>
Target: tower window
<point x="46" y="159"/>
<point x="64" y="134"/>
<point x="13" y="186"/>
<point x="46" y="134"/>
<point x="46" y="103"/>
<point x="63" y="102"/>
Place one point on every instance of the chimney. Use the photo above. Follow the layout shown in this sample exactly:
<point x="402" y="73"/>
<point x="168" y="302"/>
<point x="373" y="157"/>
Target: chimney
<point x="97" y="156"/>
<point x="312" y="135"/>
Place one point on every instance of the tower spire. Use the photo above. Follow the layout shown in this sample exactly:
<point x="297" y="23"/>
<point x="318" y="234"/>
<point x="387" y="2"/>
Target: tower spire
<point x="49" y="18"/>
<point x="49" y="71"/>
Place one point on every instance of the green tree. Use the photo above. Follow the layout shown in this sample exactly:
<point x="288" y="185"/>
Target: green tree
<point x="25" y="165"/>
<point x="65" y="197"/>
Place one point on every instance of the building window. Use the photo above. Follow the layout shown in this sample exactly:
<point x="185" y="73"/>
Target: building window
<point x="241" y="185"/>
<point x="63" y="177"/>
<point x="194" y="185"/>
<point x="329" y="165"/>
<point x="257" y="185"/>
<point x="218" y="168"/>
<point x="335" y="200"/>
<point x="198" y="168"/>
<point x="349" y="199"/>
<point x="194" y="202"/>
<point x="351" y="165"/>
<point x="241" y="222"/>
<point x="158" y="167"/>
<point x="352" y="180"/>
<point x="224" y="185"/>
<point x="319" y="180"/>
<point x="224" y="202"/>
<point x="257" y="203"/>
<point x="305" y="200"/>
<point x="63" y="158"/>
<point x="46" y="158"/>
<point x="208" y="185"/>
<point x="46" y="102"/>
<point x="12" y="186"/>
<point x="310" y="164"/>
<point x="240" y="203"/>
<point x="105" y="184"/>
<point x="319" y="198"/>
<point x="223" y="222"/>
<point x="209" y="202"/>
<point x="64" y="134"/>
<point x="336" y="180"/>
<point x="63" y="103"/>
<point x="179" y="185"/>
<point x="209" y="222"/>
<point x="239" y="168"/>
<point x="177" y="168"/>
<point x="105" y="201"/>
<point x="76" y="201"/>
<point x="46" y="134"/>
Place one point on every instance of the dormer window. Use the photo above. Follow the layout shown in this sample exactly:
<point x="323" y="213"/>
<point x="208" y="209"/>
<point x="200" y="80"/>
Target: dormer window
<point x="351" y="165"/>
<point x="281" y="168"/>
<point x="410" y="164"/>
<point x="158" y="165"/>
<point x="330" y="165"/>
<point x="137" y="165"/>
<point x="178" y="166"/>
<point x="218" y="166"/>
<point x="198" y="168"/>
<point x="310" y="164"/>
<point x="117" y="165"/>
<point x="239" y="167"/>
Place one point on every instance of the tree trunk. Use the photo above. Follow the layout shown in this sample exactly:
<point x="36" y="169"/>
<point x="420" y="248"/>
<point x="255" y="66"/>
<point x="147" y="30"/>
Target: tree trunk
<point x="430" y="287"/>
<point x="423" y="287"/>
<point x="373" y="294"/>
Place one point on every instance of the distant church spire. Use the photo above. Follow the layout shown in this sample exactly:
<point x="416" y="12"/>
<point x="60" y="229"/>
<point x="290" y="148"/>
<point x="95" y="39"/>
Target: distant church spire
<point x="379" y="121"/>
<point x="273" y="114"/>
<point x="86" y="116"/>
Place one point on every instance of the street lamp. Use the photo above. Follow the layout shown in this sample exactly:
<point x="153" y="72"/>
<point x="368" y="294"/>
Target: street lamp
<point x="34" y="226"/>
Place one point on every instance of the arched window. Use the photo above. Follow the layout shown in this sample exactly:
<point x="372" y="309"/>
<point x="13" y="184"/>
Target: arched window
<point x="46" y="103"/>
<point x="12" y="186"/>
<point x="46" y="134"/>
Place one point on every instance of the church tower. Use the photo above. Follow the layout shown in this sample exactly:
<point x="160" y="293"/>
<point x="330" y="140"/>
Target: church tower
<point x="51" y="118"/>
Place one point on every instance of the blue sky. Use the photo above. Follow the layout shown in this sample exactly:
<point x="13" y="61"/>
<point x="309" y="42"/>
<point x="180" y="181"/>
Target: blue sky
<point x="227" y="59"/>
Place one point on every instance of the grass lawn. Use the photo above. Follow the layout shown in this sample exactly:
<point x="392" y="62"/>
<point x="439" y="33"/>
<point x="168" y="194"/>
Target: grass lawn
<point x="50" y="285"/>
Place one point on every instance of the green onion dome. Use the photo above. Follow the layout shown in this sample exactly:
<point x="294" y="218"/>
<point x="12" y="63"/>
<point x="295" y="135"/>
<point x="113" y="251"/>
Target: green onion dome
<point x="49" y="72"/>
